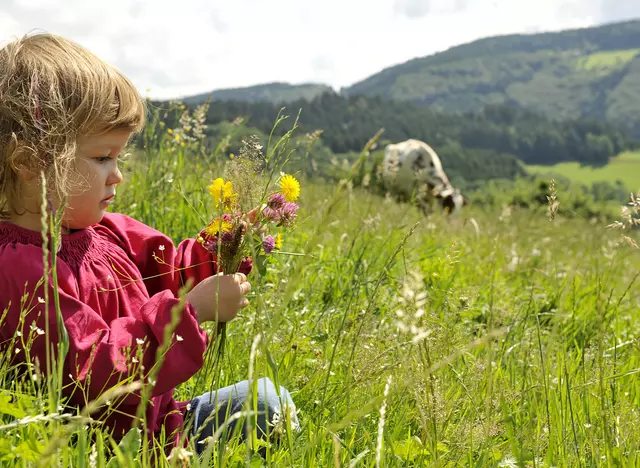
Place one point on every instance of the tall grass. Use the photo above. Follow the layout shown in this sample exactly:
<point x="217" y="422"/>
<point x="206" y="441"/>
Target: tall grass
<point x="487" y="339"/>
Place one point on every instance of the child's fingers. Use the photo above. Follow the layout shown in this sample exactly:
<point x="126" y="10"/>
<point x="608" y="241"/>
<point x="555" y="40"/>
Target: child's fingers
<point x="252" y="214"/>
<point x="245" y="288"/>
<point x="244" y="302"/>
<point x="240" y="278"/>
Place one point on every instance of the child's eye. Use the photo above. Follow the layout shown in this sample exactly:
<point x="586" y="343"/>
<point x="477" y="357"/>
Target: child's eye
<point x="103" y="159"/>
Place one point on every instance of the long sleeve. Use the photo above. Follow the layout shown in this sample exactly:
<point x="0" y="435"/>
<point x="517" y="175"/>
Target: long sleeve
<point x="161" y="264"/>
<point x="100" y="350"/>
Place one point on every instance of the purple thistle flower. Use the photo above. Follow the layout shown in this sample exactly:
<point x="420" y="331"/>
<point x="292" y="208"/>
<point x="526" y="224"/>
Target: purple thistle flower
<point x="276" y="201"/>
<point x="288" y="213"/>
<point x="268" y="244"/>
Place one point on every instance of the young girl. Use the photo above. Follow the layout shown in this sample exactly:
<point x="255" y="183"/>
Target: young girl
<point x="67" y="113"/>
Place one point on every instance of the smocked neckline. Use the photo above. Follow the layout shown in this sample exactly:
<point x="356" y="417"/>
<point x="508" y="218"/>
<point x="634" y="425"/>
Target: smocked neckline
<point x="10" y="233"/>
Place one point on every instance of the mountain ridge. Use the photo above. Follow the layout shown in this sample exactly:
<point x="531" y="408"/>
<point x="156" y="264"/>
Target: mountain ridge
<point x="589" y="72"/>
<point x="275" y="92"/>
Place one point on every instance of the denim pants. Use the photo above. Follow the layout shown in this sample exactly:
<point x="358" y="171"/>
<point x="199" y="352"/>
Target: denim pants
<point x="211" y="409"/>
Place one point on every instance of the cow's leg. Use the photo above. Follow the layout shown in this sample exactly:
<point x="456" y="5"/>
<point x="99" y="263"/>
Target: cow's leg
<point x="424" y="203"/>
<point x="424" y="199"/>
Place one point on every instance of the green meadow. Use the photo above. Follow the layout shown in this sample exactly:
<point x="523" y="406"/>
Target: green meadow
<point x="624" y="167"/>
<point x="495" y="337"/>
<point x="607" y="60"/>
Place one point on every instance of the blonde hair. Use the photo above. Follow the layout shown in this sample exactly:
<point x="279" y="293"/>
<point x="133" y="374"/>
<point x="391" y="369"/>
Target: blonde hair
<point x="52" y="91"/>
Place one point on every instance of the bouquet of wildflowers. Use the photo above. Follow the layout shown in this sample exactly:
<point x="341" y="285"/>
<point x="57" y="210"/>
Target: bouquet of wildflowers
<point x="239" y="240"/>
<point x="229" y="236"/>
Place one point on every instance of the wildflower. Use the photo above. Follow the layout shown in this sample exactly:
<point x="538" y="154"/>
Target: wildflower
<point x="288" y="213"/>
<point x="508" y="461"/>
<point x="210" y="244"/>
<point x="161" y="247"/>
<point x="245" y="265"/>
<point x="222" y="193"/>
<point x="224" y="225"/>
<point x="93" y="457"/>
<point x="276" y="201"/>
<point x="268" y="244"/>
<point x="235" y="240"/>
<point x="553" y="201"/>
<point x="278" y="241"/>
<point x="227" y="237"/>
<point x="289" y="187"/>
<point x="279" y="420"/>
<point x="271" y="214"/>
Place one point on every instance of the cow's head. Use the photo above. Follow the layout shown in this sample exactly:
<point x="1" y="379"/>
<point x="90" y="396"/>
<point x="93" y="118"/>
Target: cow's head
<point x="452" y="202"/>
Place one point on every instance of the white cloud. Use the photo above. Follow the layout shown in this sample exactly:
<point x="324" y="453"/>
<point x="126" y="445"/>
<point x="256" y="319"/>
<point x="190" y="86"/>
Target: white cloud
<point x="619" y="10"/>
<point x="193" y="46"/>
<point x="419" y="8"/>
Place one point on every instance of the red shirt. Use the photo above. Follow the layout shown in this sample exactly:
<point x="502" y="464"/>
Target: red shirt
<point x="111" y="312"/>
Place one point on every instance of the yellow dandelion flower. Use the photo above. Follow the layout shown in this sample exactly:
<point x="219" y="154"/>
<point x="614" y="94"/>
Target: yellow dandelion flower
<point x="212" y="228"/>
<point x="289" y="187"/>
<point x="277" y="242"/>
<point x="222" y="192"/>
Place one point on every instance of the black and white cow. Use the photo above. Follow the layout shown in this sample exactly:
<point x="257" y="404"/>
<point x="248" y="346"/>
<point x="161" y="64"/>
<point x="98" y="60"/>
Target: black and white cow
<point x="411" y="168"/>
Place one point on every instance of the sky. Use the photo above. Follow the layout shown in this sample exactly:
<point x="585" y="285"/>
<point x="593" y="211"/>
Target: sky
<point x="172" y="49"/>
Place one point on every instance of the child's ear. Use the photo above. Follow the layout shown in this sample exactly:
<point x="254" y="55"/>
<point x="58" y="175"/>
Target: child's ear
<point x="22" y="157"/>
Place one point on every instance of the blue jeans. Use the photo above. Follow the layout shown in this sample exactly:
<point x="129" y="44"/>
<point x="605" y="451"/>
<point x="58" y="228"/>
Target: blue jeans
<point x="212" y="409"/>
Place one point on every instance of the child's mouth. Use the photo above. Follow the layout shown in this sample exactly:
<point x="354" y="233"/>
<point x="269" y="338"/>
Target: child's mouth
<point x="107" y="201"/>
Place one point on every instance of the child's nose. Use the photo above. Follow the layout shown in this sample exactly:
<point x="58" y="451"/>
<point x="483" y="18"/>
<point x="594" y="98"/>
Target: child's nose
<point x="115" y="177"/>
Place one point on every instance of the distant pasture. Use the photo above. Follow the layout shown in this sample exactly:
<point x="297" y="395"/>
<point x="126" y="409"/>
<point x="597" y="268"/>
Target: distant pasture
<point x="624" y="167"/>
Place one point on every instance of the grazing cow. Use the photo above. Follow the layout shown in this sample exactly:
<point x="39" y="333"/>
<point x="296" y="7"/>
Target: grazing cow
<point x="412" y="165"/>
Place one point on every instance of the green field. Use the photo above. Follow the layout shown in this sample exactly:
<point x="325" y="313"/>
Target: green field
<point x="494" y="338"/>
<point x="625" y="167"/>
<point x="607" y="60"/>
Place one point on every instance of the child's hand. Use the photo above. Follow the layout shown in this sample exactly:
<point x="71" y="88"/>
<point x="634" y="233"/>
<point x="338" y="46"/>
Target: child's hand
<point x="251" y="215"/>
<point x="220" y="297"/>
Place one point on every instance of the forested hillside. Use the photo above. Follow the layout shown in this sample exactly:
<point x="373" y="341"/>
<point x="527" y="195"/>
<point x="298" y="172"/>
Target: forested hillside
<point x="589" y="73"/>
<point x="582" y="73"/>
<point x="348" y="122"/>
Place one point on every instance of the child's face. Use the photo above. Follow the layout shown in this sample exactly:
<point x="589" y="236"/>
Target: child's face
<point x="97" y="173"/>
